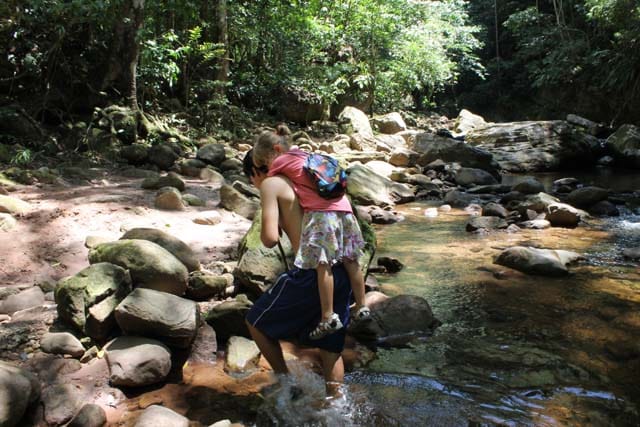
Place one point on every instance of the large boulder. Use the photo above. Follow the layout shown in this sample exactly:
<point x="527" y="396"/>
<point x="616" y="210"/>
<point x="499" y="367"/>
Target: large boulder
<point x="368" y="188"/>
<point x="625" y="145"/>
<point x="168" y="318"/>
<point x="150" y="265"/>
<point x="390" y="123"/>
<point x="259" y="266"/>
<point x="136" y="361"/>
<point x="358" y="121"/>
<point x="468" y="177"/>
<point x="433" y="147"/>
<point x="466" y="122"/>
<point x="396" y="320"/>
<point x="163" y="156"/>
<point x="536" y="146"/>
<point x="177" y="247"/>
<point x="587" y="196"/>
<point x="88" y="299"/>
<point x="19" y="389"/>
<point x="543" y="262"/>
<point x="212" y="154"/>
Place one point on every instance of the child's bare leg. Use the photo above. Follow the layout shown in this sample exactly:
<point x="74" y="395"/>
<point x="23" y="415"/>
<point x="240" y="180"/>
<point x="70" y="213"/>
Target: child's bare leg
<point x="325" y="288"/>
<point x="356" y="278"/>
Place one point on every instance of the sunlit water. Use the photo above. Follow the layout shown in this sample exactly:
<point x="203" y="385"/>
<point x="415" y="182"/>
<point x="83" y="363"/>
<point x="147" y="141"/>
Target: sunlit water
<point x="513" y="349"/>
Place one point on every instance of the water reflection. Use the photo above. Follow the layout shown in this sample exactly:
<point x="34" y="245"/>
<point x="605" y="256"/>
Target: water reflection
<point x="513" y="349"/>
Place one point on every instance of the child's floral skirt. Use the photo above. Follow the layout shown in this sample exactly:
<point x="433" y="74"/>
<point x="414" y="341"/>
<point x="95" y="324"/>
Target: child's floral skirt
<point x="328" y="237"/>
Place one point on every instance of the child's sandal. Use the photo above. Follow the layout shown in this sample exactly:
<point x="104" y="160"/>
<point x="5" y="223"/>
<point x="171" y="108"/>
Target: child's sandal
<point x="326" y="327"/>
<point x="363" y="313"/>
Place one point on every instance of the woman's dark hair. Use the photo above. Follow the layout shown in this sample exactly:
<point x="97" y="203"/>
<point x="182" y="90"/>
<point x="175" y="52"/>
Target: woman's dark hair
<point x="249" y="168"/>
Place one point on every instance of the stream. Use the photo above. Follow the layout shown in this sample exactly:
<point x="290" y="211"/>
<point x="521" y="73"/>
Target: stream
<point x="513" y="349"/>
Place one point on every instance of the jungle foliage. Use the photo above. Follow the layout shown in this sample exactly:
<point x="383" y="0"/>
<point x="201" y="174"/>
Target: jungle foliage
<point x="506" y="59"/>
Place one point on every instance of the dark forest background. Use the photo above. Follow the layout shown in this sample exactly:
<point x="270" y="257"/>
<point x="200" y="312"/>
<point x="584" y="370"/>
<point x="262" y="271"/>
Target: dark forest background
<point x="201" y="62"/>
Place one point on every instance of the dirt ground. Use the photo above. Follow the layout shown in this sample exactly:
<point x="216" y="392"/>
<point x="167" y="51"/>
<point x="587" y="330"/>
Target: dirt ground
<point x="49" y="242"/>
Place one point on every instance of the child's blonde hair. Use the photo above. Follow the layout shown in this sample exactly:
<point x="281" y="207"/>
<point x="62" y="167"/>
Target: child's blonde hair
<point x="264" y="148"/>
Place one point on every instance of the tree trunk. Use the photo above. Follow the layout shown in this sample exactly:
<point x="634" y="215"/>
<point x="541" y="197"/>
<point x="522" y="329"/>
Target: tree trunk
<point x="125" y="50"/>
<point x="223" y="39"/>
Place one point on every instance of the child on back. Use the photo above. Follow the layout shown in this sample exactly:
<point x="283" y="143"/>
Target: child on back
<point x="330" y="231"/>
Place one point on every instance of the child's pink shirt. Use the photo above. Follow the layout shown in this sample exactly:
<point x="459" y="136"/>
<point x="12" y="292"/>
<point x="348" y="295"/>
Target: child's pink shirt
<point x="290" y="165"/>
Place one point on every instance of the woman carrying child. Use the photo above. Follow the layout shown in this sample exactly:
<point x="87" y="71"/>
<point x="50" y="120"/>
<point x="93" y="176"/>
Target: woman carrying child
<point x="330" y="231"/>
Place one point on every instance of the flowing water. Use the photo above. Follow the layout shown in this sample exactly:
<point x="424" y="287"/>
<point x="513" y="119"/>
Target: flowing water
<point x="513" y="349"/>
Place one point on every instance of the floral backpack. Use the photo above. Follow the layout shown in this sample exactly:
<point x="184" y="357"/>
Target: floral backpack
<point x="326" y="173"/>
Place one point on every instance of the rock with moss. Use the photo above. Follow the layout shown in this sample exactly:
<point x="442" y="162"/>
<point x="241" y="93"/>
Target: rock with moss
<point x="135" y="154"/>
<point x="227" y="318"/>
<point x="123" y="122"/>
<point x="75" y="296"/>
<point x="177" y="247"/>
<point x="150" y="265"/>
<point x="259" y="266"/>
<point x="625" y="144"/>
<point x="169" y="198"/>
<point x="233" y="200"/>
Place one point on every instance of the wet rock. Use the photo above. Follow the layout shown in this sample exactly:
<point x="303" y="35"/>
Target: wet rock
<point x="563" y="215"/>
<point x="90" y="415"/>
<point x="544" y="262"/>
<point x="587" y="196"/>
<point x="632" y="253"/>
<point x="536" y="224"/>
<point x="13" y="205"/>
<point x="604" y="208"/>
<point x="177" y="247"/>
<point x="486" y="223"/>
<point x="625" y="144"/>
<point x="61" y="343"/>
<point x="494" y="209"/>
<point x="242" y="355"/>
<point x="489" y="189"/>
<point x="150" y="265"/>
<point x="227" y="318"/>
<point x="537" y="202"/>
<point x="20" y="389"/>
<point x="458" y="199"/>
<point x="470" y="177"/>
<point x="204" y="285"/>
<point x="212" y="154"/>
<point x="391" y="265"/>
<point x="529" y="185"/>
<point x="233" y="200"/>
<point x="136" y="361"/>
<point x="169" y="198"/>
<point x="32" y="297"/>
<point x="205" y="345"/>
<point x="144" y="312"/>
<point x="397" y="320"/>
<point x="159" y="416"/>
<point x="382" y="216"/>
